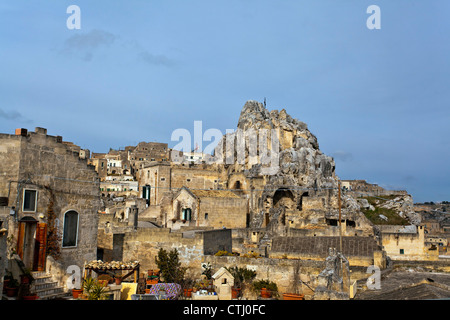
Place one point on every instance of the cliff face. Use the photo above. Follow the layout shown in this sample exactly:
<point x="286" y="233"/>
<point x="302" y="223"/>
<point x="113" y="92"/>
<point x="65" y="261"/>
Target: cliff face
<point x="273" y="144"/>
<point x="282" y="167"/>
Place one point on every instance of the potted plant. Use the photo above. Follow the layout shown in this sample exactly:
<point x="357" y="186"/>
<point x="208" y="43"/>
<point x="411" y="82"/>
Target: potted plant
<point x="76" y="292"/>
<point x="26" y="277"/>
<point x="12" y="288"/>
<point x="242" y="277"/>
<point x="265" y="288"/>
<point x="94" y="290"/>
<point x="293" y="296"/>
<point x="8" y="276"/>
<point x="118" y="279"/>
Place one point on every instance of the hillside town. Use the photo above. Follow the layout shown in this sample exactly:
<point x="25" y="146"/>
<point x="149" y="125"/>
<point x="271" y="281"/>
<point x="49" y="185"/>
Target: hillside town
<point x="267" y="219"/>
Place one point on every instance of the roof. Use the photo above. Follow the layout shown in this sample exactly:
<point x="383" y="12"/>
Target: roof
<point x="410" y="285"/>
<point x="221" y="272"/>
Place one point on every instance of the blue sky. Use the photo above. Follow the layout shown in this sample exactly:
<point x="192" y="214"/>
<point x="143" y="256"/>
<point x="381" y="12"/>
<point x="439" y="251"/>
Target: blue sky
<point x="377" y="100"/>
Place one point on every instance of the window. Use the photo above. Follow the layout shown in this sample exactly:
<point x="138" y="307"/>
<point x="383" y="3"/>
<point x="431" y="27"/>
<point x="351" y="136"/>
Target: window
<point x="29" y="200"/>
<point x="188" y="180"/>
<point x="163" y="179"/>
<point x="206" y="216"/>
<point x="186" y="214"/>
<point x="402" y="251"/>
<point x="70" y="229"/>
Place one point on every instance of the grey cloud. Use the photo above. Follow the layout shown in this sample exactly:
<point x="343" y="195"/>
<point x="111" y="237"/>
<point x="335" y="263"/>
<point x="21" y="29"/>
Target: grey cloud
<point x="90" y="40"/>
<point x="156" y="59"/>
<point x="342" y="155"/>
<point x="85" y="44"/>
<point x="12" y="115"/>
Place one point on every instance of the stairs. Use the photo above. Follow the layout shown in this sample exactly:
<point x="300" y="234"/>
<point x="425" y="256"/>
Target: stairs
<point x="46" y="288"/>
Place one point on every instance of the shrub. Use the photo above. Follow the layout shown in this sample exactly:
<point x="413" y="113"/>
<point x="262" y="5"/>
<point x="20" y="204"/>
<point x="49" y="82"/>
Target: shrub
<point x="170" y="266"/>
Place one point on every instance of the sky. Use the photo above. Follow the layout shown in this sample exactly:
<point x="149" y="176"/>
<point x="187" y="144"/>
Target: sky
<point x="376" y="99"/>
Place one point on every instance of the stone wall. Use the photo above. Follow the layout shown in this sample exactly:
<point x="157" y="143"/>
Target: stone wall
<point x="144" y="244"/>
<point x="408" y="246"/>
<point x="44" y="163"/>
<point x="290" y="275"/>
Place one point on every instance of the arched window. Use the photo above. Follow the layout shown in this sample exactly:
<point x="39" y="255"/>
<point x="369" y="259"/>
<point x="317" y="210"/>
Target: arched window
<point x="70" y="234"/>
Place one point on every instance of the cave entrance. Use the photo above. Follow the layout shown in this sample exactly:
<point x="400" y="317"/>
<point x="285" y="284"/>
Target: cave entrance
<point x="283" y="198"/>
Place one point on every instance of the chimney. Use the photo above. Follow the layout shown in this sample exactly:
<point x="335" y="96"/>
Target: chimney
<point x="133" y="216"/>
<point x="40" y="130"/>
<point x="21" y="132"/>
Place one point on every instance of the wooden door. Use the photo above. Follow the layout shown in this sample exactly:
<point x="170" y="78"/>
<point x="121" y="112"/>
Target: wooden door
<point x="40" y="252"/>
<point x="20" y="239"/>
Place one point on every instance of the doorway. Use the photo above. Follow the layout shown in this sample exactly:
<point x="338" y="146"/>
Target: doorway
<point x="31" y="243"/>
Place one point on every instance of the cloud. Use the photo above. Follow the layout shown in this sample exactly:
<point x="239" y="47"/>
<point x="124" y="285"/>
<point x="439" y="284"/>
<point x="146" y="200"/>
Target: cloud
<point x="85" y="44"/>
<point x="157" y="59"/>
<point x="342" y="155"/>
<point x="12" y="115"/>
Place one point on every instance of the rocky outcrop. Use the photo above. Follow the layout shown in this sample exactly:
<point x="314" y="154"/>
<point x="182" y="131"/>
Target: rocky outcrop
<point x="280" y="158"/>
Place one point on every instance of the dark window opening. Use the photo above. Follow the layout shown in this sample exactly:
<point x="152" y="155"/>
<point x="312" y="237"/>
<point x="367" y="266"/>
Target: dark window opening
<point x="350" y="223"/>
<point x="29" y="200"/>
<point x="332" y="222"/>
<point x="70" y="229"/>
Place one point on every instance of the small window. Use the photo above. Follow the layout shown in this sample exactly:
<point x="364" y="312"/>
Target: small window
<point x="402" y="251"/>
<point x="29" y="200"/>
<point x="206" y="216"/>
<point x="163" y="179"/>
<point x="186" y="214"/>
<point x="188" y="180"/>
<point x="70" y="229"/>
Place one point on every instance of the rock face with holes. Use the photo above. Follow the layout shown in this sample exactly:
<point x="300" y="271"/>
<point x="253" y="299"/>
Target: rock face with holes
<point x="275" y="161"/>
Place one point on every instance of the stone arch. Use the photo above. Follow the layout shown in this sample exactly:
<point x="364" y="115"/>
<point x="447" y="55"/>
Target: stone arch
<point x="283" y="197"/>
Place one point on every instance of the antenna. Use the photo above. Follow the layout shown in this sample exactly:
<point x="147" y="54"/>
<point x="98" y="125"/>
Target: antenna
<point x="264" y="102"/>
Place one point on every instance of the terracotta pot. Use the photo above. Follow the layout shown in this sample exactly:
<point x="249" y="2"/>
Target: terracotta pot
<point x="293" y="296"/>
<point x="118" y="280"/>
<point x="150" y="273"/>
<point x="187" y="293"/>
<point x="265" y="293"/>
<point x="235" y="293"/>
<point x="24" y="279"/>
<point x="152" y="281"/>
<point x="5" y="285"/>
<point x="11" y="292"/>
<point x="76" y="293"/>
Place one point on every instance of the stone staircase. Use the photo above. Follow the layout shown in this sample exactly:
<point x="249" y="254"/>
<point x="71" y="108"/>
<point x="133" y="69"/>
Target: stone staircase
<point x="46" y="288"/>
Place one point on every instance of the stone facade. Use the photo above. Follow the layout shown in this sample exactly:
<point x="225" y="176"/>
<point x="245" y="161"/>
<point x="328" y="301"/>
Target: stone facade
<point x="205" y="208"/>
<point x="39" y="169"/>
<point x="408" y="245"/>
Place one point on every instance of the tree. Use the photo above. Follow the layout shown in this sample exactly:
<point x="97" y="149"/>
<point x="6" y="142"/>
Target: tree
<point x="170" y="266"/>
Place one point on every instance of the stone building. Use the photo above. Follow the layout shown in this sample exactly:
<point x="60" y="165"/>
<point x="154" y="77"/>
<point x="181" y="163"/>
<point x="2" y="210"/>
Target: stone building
<point x="48" y="187"/>
<point x="406" y="244"/>
<point x="204" y="208"/>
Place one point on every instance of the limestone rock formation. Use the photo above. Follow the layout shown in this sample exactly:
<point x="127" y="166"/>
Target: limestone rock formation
<point x="286" y="177"/>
